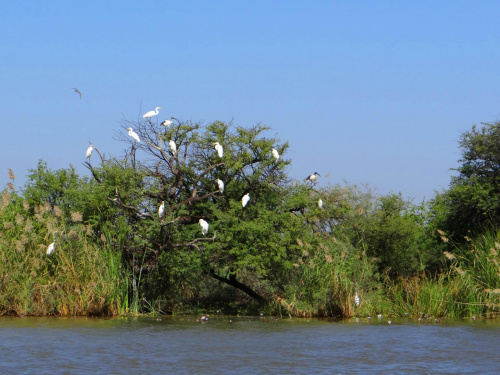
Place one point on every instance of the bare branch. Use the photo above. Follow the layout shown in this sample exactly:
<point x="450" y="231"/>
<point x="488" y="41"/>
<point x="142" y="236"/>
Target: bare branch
<point x="164" y="224"/>
<point x="195" y="241"/>
<point x="89" y="166"/>
<point x="97" y="150"/>
<point x="119" y="201"/>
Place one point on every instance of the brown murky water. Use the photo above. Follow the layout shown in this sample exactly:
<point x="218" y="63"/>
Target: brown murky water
<point x="246" y="346"/>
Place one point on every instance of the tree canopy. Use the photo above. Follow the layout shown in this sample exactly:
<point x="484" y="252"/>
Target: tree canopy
<point x="194" y="215"/>
<point x="471" y="205"/>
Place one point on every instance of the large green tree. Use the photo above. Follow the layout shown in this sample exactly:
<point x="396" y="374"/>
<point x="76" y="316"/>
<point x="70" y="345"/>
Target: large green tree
<point x="245" y="247"/>
<point x="472" y="204"/>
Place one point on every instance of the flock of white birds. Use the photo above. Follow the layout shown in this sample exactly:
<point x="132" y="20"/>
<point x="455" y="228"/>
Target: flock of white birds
<point x="173" y="147"/>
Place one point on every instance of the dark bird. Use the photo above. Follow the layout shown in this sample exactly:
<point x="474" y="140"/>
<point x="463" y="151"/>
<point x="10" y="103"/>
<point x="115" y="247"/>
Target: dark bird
<point x="78" y="92"/>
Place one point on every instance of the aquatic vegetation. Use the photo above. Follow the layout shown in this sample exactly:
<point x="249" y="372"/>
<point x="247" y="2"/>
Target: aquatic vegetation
<point x="127" y="239"/>
<point x="83" y="276"/>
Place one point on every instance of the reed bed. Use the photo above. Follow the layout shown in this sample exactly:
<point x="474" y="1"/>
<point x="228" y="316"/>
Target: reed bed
<point x="82" y="276"/>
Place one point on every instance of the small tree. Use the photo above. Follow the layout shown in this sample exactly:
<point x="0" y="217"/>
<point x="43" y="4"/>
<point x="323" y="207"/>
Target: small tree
<point x="392" y="233"/>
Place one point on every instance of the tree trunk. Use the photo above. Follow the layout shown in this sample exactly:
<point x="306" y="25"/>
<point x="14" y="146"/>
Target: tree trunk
<point x="235" y="283"/>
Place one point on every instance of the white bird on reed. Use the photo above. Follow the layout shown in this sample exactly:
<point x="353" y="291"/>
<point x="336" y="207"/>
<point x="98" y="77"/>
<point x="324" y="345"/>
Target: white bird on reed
<point x="204" y="226"/>
<point x="245" y="199"/>
<point x="167" y="123"/>
<point x="356" y="299"/>
<point x="221" y="185"/>
<point x="219" y="149"/>
<point x="320" y="203"/>
<point x="275" y="153"/>
<point x="150" y="114"/>
<point x="52" y="246"/>
<point x="133" y="134"/>
<point x="161" y="210"/>
<point x="89" y="151"/>
<point x="312" y="177"/>
<point x="173" y="147"/>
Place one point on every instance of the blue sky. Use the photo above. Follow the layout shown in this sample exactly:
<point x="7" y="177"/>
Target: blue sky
<point x="374" y="92"/>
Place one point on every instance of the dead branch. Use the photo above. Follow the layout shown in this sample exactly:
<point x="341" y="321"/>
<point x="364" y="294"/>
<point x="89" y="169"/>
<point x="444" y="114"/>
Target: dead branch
<point x="194" y="242"/>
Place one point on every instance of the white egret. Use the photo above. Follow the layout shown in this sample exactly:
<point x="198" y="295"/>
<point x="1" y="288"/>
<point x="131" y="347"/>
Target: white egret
<point x="221" y="185"/>
<point x="275" y="153"/>
<point x="167" y="123"/>
<point x="89" y="151"/>
<point x="133" y="134"/>
<point x="52" y="246"/>
<point x="173" y="147"/>
<point x="313" y="177"/>
<point x="218" y="148"/>
<point x="204" y="226"/>
<point x="151" y="113"/>
<point x="161" y="210"/>
<point x="320" y="203"/>
<point x="78" y="92"/>
<point x="245" y="199"/>
<point x="356" y="299"/>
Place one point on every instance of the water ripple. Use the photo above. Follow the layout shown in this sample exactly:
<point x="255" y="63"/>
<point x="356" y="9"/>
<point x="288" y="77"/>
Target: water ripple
<point x="247" y="345"/>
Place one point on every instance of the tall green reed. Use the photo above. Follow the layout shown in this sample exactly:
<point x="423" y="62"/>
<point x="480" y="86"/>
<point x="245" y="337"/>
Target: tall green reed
<point x="83" y="276"/>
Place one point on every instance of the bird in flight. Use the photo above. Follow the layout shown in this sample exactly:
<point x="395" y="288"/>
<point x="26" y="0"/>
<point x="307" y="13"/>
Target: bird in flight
<point x="78" y="92"/>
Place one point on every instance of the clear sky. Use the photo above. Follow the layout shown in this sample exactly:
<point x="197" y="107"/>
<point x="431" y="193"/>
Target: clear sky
<point x="374" y="92"/>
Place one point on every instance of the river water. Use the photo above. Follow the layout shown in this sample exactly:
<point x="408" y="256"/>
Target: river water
<point x="184" y="345"/>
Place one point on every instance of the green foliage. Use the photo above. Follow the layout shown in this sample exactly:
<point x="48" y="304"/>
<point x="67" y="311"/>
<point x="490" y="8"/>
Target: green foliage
<point x="444" y="296"/>
<point x="478" y="262"/>
<point x="392" y="234"/>
<point x="82" y="276"/>
<point x="245" y="247"/>
<point x="284" y="252"/>
<point x="472" y="205"/>
<point x="471" y="287"/>
<point x="331" y="265"/>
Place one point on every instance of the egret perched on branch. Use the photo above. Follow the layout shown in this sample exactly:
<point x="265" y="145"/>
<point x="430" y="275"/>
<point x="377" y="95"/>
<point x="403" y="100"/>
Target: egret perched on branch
<point x="313" y="177"/>
<point x="151" y="113"/>
<point x="320" y="203"/>
<point x="133" y="134"/>
<point x="89" y="151"/>
<point x="218" y="148"/>
<point x="173" y="147"/>
<point x="161" y="210"/>
<point x="356" y="299"/>
<point x="221" y="185"/>
<point x="275" y="153"/>
<point x="204" y="226"/>
<point x="167" y="123"/>
<point x="245" y="199"/>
